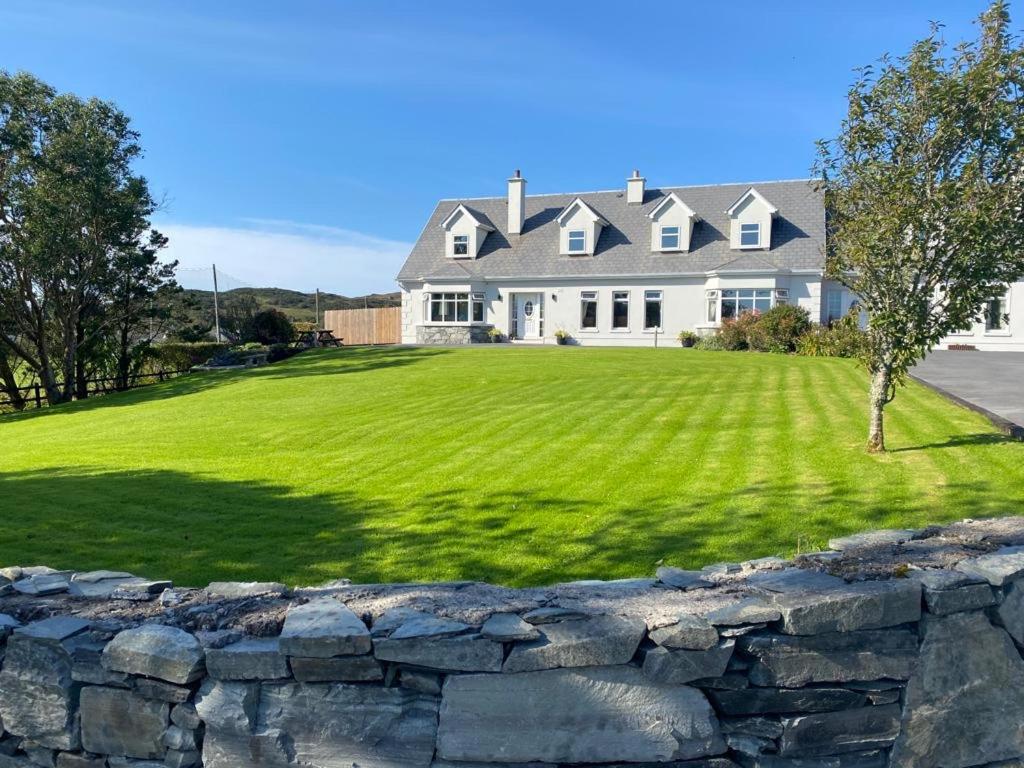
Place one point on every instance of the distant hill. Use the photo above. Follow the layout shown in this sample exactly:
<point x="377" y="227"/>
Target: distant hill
<point x="299" y="307"/>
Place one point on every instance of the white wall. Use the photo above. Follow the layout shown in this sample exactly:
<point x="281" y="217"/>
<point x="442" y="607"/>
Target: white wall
<point x="1012" y="338"/>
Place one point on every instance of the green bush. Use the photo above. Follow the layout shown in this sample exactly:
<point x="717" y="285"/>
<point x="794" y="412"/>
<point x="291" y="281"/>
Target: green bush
<point x="712" y="342"/>
<point x="270" y="326"/>
<point x="180" y="356"/>
<point x="778" y="329"/>
<point x="843" y="339"/>
<point x="688" y="338"/>
<point x="734" y="332"/>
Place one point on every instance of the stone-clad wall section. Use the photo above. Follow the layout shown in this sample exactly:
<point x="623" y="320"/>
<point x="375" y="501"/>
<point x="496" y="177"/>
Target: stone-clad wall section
<point x="764" y="664"/>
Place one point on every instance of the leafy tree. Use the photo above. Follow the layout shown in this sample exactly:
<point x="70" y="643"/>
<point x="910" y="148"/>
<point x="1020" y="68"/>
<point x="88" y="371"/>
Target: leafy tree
<point x="924" y="187"/>
<point x="77" y="255"/>
<point x="271" y="326"/>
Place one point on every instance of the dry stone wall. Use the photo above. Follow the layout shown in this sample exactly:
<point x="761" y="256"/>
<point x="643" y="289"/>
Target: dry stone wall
<point x="894" y="648"/>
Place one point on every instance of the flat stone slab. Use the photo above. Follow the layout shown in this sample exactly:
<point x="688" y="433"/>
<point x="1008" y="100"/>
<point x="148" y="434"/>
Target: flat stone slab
<point x="997" y="568"/>
<point x="363" y="669"/>
<point x="154" y="650"/>
<point x="427" y="625"/>
<point x="793" y="580"/>
<point x="597" y="641"/>
<point x="92" y="577"/>
<point x="872" y="539"/>
<point x="791" y="661"/>
<point x="676" y="667"/>
<point x="508" y="628"/>
<point x="780" y="701"/>
<point x="552" y="613"/>
<point x="832" y="733"/>
<point x="692" y="633"/>
<point x="583" y="715"/>
<point x="749" y="610"/>
<point x="50" y="583"/>
<point x="120" y="722"/>
<point x="235" y="590"/>
<point x="964" y="705"/>
<point x="249" y="659"/>
<point x="947" y="592"/>
<point x="55" y="628"/>
<point x="323" y="628"/>
<point x="865" y="605"/>
<point x="680" y="579"/>
<point x="94" y="588"/>
<point x="462" y="653"/>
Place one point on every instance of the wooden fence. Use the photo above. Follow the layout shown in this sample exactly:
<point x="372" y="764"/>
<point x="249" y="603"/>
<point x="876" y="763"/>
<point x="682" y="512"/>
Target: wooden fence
<point x="35" y="396"/>
<point x="381" y="325"/>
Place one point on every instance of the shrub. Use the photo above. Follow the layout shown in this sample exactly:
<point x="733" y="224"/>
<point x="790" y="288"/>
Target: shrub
<point x="843" y="339"/>
<point x="687" y="338"/>
<point x="180" y="356"/>
<point x="734" y="332"/>
<point x="270" y="326"/>
<point x="778" y="329"/>
<point x="302" y="326"/>
<point x="494" y="334"/>
<point x="712" y="342"/>
<point x="278" y="352"/>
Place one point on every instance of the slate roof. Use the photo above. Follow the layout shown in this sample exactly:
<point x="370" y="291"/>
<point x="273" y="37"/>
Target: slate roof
<point x="624" y="248"/>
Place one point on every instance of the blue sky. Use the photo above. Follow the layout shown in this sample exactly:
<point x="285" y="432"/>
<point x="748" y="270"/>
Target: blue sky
<point x="303" y="144"/>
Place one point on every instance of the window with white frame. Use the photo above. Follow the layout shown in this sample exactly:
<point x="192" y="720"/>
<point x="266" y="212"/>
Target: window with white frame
<point x="455" y="307"/>
<point x="833" y="306"/>
<point x="782" y="296"/>
<point x="740" y="301"/>
<point x="711" y="298"/>
<point x="997" y="314"/>
<point x="750" y="234"/>
<point x="460" y="245"/>
<point x="669" y="238"/>
<point x="577" y="240"/>
<point x="652" y="310"/>
<point x="588" y="310"/>
<point x="620" y="310"/>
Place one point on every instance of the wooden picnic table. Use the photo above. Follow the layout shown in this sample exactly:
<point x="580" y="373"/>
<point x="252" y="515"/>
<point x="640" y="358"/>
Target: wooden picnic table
<point x="323" y="337"/>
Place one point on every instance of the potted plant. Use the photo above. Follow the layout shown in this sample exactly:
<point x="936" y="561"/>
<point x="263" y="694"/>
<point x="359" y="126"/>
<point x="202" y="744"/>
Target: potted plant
<point x="494" y="334"/>
<point x="562" y="336"/>
<point x="687" y="338"/>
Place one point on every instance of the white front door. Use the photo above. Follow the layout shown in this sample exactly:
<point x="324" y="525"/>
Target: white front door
<point x="528" y="315"/>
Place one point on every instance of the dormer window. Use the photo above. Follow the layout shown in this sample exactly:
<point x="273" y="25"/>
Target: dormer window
<point x="579" y="229"/>
<point x="750" y="219"/>
<point x="750" y="235"/>
<point x="669" y="238"/>
<point x="577" y="241"/>
<point x="464" y="232"/>
<point x="460" y="245"/>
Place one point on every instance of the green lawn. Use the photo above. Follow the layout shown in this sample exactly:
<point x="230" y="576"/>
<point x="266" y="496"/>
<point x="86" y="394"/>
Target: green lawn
<point x="515" y="465"/>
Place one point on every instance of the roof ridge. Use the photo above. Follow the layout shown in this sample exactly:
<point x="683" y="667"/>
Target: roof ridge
<point x="622" y="190"/>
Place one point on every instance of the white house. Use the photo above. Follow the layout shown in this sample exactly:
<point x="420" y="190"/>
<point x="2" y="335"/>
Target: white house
<point x="622" y="267"/>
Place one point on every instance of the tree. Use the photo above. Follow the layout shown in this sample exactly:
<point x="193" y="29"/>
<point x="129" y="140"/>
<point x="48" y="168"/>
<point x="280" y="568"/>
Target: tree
<point x="271" y="326"/>
<point x="924" y="188"/>
<point x="74" y="232"/>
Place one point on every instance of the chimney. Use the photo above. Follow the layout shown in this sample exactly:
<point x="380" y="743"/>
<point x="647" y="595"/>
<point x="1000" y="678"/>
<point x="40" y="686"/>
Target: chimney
<point x="516" y="203"/>
<point x="635" y="188"/>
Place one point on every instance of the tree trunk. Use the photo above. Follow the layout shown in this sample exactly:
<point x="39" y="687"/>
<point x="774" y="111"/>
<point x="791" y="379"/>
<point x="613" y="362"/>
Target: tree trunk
<point x="9" y="384"/>
<point x="881" y="380"/>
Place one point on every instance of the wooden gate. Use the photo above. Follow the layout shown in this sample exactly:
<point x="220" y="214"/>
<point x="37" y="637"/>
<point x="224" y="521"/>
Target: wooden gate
<point x="381" y="325"/>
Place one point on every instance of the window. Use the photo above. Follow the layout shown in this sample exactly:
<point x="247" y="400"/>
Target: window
<point x="460" y="245"/>
<point x="588" y="310"/>
<point x="750" y="234"/>
<point x="577" y="241"/>
<point x="652" y="310"/>
<point x="997" y="316"/>
<point x="620" y="309"/>
<point x="455" y="307"/>
<point x="782" y="296"/>
<point x="669" y="238"/>
<point x="712" y="300"/>
<point x="833" y="306"/>
<point x="741" y="301"/>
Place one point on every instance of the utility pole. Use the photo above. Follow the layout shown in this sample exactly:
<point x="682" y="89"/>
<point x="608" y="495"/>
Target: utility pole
<point x="216" y="307"/>
<point x="318" y="309"/>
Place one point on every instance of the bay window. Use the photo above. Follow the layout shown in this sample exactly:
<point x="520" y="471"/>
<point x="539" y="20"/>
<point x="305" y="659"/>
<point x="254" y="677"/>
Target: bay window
<point x="620" y="310"/>
<point x="652" y="310"/>
<point x="455" y="307"/>
<point x="736" y="302"/>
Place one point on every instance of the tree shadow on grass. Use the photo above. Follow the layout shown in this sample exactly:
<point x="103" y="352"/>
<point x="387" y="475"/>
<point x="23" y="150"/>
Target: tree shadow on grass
<point x="321" y="362"/>
<point x="195" y="529"/>
<point x="979" y="438"/>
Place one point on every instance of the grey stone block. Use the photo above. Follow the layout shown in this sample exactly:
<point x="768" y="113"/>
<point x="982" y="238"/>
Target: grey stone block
<point x="44" y="583"/>
<point x="235" y="590"/>
<point x="322" y="628"/>
<point x="552" y="613"/>
<point x="250" y="659"/>
<point x="789" y="661"/>
<point x="339" y="669"/>
<point x="680" y="579"/>
<point x="37" y="698"/>
<point x="997" y="568"/>
<point x="508" y="628"/>
<point x="794" y="580"/>
<point x="675" y="667"/>
<point x="182" y="759"/>
<point x="750" y="610"/>
<point x="872" y="539"/>
<point x="777" y="701"/>
<point x="462" y="653"/>
<point x="833" y="733"/>
<point x="866" y="605"/>
<point x="149" y="688"/>
<point x="228" y="707"/>
<point x="154" y="650"/>
<point x="418" y="680"/>
<point x="582" y="715"/>
<point x="369" y="725"/>
<point x="55" y="628"/>
<point x="426" y="625"/>
<point x="180" y="739"/>
<point x="947" y="592"/>
<point x="185" y="716"/>
<point x="873" y="759"/>
<point x="72" y="760"/>
<point x="120" y="722"/>
<point x="597" y="641"/>
<point x="691" y="633"/>
<point x="964" y="705"/>
<point x="1011" y="611"/>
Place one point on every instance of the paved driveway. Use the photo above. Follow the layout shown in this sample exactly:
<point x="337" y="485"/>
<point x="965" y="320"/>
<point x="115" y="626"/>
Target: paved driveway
<point x="991" y="381"/>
